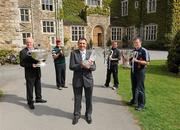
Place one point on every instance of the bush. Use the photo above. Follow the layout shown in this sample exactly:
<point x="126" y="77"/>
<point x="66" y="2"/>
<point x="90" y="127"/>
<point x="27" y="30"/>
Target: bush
<point x="174" y="55"/>
<point x="9" y="53"/>
<point x="9" y="56"/>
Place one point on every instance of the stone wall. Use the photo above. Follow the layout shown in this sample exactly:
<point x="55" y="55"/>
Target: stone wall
<point x="9" y="22"/>
<point x="102" y="21"/>
<point x="11" y="28"/>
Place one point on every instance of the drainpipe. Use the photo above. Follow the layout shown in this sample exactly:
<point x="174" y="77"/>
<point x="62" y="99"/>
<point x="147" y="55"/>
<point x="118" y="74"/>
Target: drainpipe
<point x="32" y="20"/>
<point x="141" y="20"/>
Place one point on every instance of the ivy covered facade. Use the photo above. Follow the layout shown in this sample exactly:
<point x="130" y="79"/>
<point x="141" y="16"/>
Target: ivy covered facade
<point x="86" y="18"/>
<point x="156" y="21"/>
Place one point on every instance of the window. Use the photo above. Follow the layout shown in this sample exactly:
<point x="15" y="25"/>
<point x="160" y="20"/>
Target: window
<point x="24" y="36"/>
<point x="136" y="4"/>
<point x="151" y="6"/>
<point x="94" y="2"/>
<point x="47" y="5"/>
<point x="24" y="15"/>
<point x="48" y="26"/>
<point x="150" y="32"/>
<point x="52" y="40"/>
<point x="77" y="32"/>
<point x="124" y="8"/>
<point x="116" y="33"/>
<point x="130" y="31"/>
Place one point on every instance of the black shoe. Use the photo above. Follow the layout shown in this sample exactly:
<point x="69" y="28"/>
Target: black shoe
<point x="64" y="87"/>
<point x="40" y="101"/>
<point x="88" y="119"/>
<point x="75" y="120"/>
<point x="139" y="108"/>
<point x="31" y="106"/>
<point x="131" y="103"/>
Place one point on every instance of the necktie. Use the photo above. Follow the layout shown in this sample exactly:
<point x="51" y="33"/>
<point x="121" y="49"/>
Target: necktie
<point x="83" y="55"/>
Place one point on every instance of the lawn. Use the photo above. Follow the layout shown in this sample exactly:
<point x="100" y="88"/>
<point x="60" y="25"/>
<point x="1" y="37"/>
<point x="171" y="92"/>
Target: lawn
<point x="162" y="110"/>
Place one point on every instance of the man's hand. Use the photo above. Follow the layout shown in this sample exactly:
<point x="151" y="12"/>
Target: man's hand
<point x="86" y="66"/>
<point x="34" y="65"/>
<point x="135" y="60"/>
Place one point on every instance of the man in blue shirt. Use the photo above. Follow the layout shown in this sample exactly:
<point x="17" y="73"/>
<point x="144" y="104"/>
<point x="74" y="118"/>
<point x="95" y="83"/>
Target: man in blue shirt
<point x="60" y="65"/>
<point x="139" y="61"/>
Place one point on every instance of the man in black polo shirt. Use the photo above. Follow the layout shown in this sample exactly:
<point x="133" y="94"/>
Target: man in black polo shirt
<point x="139" y="61"/>
<point x="60" y="65"/>
<point x="112" y="66"/>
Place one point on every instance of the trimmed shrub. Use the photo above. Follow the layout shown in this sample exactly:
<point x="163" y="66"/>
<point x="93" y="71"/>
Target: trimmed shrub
<point x="9" y="53"/>
<point x="174" y="55"/>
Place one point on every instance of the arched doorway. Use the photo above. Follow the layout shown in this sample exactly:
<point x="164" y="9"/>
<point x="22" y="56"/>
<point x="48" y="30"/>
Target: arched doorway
<point x="98" y="36"/>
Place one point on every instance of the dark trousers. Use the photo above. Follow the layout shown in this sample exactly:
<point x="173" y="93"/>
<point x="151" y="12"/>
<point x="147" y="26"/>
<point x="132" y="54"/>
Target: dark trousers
<point x="114" y="70"/>
<point x="60" y="74"/>
<point x="30" y="83"/>
<point x="78" y="98"/>
<point x="138" y="89"/>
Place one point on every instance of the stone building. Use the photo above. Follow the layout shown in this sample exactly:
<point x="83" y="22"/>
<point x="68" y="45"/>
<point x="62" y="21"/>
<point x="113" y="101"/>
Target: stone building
<point x="94" y="28"/>
<point x="20" y="19"/>
<point x="154" y="20"/>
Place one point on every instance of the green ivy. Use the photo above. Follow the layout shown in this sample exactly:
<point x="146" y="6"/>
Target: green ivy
<point x="61" y="14"/>
<point x="75" y="11"/>
<point x="72" y="10"/>
<point x="98" y="10"/>
<point x="174" y="55"/>
<point x="166" y="17"/>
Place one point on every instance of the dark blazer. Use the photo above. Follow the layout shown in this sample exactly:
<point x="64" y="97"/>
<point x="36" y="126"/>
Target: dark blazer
<point x="81" y="76"/>
<point x="26" y="61"/>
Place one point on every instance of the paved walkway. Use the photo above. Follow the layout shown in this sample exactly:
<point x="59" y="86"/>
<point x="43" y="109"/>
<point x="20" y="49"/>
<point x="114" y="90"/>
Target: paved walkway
<point x="109" y="113"/>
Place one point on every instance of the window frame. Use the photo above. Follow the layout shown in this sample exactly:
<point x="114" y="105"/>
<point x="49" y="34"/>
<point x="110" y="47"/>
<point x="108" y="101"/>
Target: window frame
<point x="124" y="8"/>
<point x="136" y="4"/>
<point x="77" y="35"/>
<point x="25" y="15"/>
<point x="24" y="38"/>
<point x="130" y="32"/>
<point x="47" y="5"/>
<point x="115" y="36"/>
<point x="48" y="26"/>
<point x="151" y="6"/>
<point x="52" y="40"/>
<point x="89" y="3"/>
<point x="150" y="29"/>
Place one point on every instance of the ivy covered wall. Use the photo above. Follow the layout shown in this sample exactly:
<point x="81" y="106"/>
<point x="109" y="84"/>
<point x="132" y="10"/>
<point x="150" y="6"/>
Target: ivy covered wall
<point x="72" y="11"/>
<point x="167" y="17"/>
<point x="125" y="21"/>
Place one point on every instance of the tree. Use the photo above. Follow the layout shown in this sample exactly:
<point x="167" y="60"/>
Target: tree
<point x="174" y="55"/>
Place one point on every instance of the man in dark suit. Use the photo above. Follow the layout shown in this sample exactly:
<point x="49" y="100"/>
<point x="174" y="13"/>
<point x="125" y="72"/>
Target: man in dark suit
<point x="82" y="78"/>
<point x="32" y="74"/>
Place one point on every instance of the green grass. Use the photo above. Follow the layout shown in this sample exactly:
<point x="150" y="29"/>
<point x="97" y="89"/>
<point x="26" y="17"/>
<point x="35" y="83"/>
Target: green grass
<point x="162" y="90"/>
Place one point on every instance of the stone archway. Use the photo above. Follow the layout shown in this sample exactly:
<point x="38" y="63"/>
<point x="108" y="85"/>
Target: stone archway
<point x="98" y="36"/>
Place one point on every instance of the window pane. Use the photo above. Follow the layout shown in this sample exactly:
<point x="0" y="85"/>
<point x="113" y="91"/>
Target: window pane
<point x="77" y="32"/>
